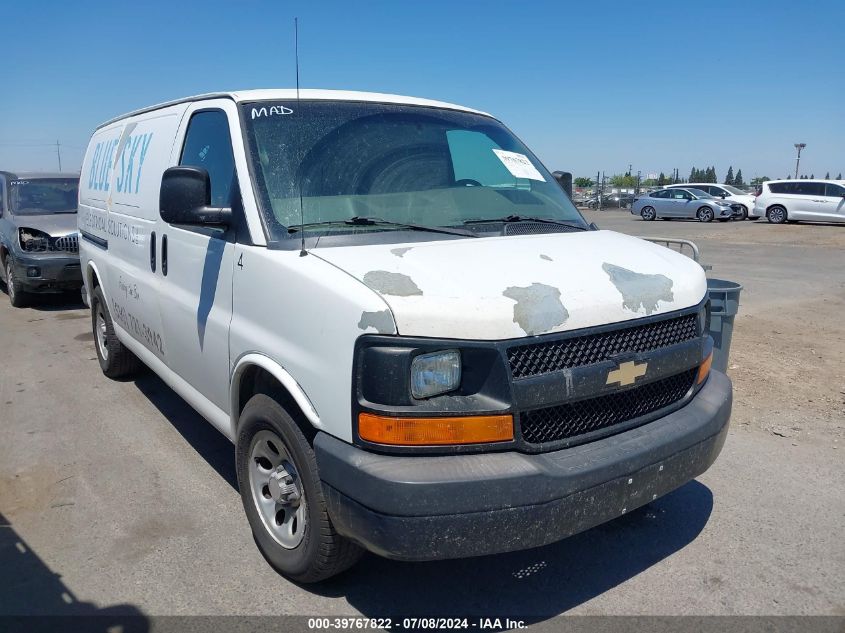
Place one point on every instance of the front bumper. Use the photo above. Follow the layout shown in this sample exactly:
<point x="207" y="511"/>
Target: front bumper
<point x="56" y="272"/>
<point x="428" y="508"/>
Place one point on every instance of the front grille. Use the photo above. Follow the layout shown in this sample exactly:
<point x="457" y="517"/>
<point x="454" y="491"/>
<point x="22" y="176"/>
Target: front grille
<point x="543" y="358"/>
<point x="573" y="419"/>
<point x="69" y="243"/>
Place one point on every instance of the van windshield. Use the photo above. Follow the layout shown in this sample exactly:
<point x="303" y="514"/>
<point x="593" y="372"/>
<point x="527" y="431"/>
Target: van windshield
<point x="44" y="196"/>
<point x="403" y="164"/>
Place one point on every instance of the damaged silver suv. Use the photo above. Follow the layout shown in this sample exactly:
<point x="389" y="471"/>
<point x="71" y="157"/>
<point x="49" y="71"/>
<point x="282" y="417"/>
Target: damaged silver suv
<point x="39" y="245"/>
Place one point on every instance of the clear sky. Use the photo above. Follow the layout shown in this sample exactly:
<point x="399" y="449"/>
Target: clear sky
<point x="589" y="86"/>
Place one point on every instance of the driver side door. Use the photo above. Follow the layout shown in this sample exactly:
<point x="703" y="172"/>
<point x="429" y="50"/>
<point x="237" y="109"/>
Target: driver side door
<point x="678" y="203"/>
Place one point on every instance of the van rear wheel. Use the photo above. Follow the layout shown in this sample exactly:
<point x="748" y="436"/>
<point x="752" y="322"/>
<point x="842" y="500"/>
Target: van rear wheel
<point x="777" y="215"/>
<point x="283" y="498"/>
<point x="116" y="360"/>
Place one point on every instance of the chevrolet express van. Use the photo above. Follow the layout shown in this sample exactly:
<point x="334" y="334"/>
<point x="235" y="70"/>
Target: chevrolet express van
<point x="416" y="343"/>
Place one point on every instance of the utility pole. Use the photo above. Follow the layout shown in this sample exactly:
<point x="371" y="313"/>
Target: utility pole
<point x="59" y="154"/>
<point x="601" y="193"/>
<point x="639" y="173"/>
<point x="597" y="189"/>
<point x="799" y="147"/>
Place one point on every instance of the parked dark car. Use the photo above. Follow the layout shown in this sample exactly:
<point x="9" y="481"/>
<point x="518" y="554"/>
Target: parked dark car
<point x="39" y="244"/>
<point x="612" y="201"/>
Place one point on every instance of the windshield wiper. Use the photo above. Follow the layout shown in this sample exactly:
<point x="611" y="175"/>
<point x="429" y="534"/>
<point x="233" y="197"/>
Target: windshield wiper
<point x="367" y="221"/>
<point x="525" y="218"/>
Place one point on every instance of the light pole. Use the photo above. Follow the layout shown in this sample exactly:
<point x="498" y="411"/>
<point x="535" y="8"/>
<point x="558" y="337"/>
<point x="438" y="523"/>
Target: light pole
<point x="799" y="147"/>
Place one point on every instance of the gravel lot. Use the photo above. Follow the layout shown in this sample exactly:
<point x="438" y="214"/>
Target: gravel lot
<point x="117" y="497"/>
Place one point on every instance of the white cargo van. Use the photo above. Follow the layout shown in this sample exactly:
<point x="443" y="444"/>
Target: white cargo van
<point x="416" y="343"/>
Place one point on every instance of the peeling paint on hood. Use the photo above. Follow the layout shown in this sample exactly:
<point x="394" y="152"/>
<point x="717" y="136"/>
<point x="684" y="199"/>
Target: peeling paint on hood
<point x="499" y="287"/>
<point x="638" y="290"/>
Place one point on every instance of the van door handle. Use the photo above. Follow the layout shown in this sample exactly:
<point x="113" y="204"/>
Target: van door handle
<point x="153" y="251"/>
<point x="164" y="255"/>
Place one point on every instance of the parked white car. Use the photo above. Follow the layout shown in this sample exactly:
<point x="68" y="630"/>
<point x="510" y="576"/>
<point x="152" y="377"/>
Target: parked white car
<point x="728" y="193"/>
<point x="801" y="200"/>
<point x="415" y="341"/>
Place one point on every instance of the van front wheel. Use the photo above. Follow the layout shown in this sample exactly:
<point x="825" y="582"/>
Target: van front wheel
<point x="116" y="360"/>
<point x="283" y="498"/>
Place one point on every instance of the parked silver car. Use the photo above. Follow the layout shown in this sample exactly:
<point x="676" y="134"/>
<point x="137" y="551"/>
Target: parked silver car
<point x="681" y="203"/>
<point x="39" y="245"/>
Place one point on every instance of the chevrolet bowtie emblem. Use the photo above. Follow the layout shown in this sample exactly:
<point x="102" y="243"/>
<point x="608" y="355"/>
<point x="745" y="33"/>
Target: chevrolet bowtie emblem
<point x="627" y="373"/>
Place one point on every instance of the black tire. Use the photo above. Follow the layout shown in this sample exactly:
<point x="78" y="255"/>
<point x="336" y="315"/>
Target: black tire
<point x="648" y="214"/>
<point x="777" y="214"/>
<point x="705" y="214"/>
<point x="117" y="362"/>
<point x="322" y="552"/>
<point x="743" y="215"/>
<point x="18" y="297"/>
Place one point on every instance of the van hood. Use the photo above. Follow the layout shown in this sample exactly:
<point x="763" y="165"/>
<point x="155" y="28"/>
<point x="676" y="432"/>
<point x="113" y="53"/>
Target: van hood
<point x="509" y="287"/>
<point x="53" y="224"/>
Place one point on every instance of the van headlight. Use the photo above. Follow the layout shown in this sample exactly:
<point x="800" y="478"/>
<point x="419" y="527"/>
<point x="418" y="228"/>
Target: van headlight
<point x="435" y="373"/>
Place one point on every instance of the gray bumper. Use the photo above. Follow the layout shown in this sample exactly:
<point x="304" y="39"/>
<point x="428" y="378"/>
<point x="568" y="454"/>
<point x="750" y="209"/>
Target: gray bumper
<point x="56" y="272"/>
<point x="426" y="508"/>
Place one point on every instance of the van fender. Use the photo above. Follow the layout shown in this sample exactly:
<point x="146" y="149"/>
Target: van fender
<point x="279" y="373"/>
<point x="91" y="271"/>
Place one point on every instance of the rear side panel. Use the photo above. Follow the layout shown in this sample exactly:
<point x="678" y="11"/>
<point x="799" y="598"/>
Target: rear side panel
<point x="119" y="219"/>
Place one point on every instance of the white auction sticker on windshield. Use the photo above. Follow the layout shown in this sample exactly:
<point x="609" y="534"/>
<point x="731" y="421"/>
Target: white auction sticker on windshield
<point x="518" y="165"/>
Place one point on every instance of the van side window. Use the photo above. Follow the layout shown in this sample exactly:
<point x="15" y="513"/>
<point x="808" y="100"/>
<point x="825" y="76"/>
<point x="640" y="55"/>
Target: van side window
<point x="808" y="188"/>
<point x="208" y="145"/>
<point x="832" y="190"/>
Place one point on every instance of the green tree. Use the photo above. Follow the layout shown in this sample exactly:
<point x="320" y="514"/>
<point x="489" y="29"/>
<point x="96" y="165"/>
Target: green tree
<point x="661" y="179"/>
<point x="759" y="180"/>
<point x="729" y="178"/>
<point x="812" y="176"/>
<point x="738" y="179"/>
<point x="711" y="175"/>
<point x="623" y="180"/>
<point x="827" y="176"/>
<point x="839" y="177"/>
<point x="581" y="181"/>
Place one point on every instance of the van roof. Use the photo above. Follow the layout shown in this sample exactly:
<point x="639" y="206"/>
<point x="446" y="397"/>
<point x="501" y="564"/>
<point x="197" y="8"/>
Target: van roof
<point x="241" y="96"/>
<point x="830" y="180"/>
<point x="35" y="175"/>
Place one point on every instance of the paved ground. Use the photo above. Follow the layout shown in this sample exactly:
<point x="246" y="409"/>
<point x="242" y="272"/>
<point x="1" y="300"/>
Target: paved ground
<point x="117" y="496"/>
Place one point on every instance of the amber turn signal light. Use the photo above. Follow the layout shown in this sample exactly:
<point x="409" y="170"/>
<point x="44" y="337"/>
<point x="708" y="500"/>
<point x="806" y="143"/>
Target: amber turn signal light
<point x="476" y="429"/>
<point x="704" y="369"/>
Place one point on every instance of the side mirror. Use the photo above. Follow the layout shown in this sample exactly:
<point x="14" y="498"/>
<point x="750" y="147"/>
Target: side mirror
<point x="723" y="195"/>
<point x="185" y="198"/>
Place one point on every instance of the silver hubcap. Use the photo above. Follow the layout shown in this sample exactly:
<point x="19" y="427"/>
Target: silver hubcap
<point x="276" y="489"/>
<point x="706" y="214"/>
<point x="648" y="213"/>
<point x="101" y="333"/>
<point x="776" y="215"/>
